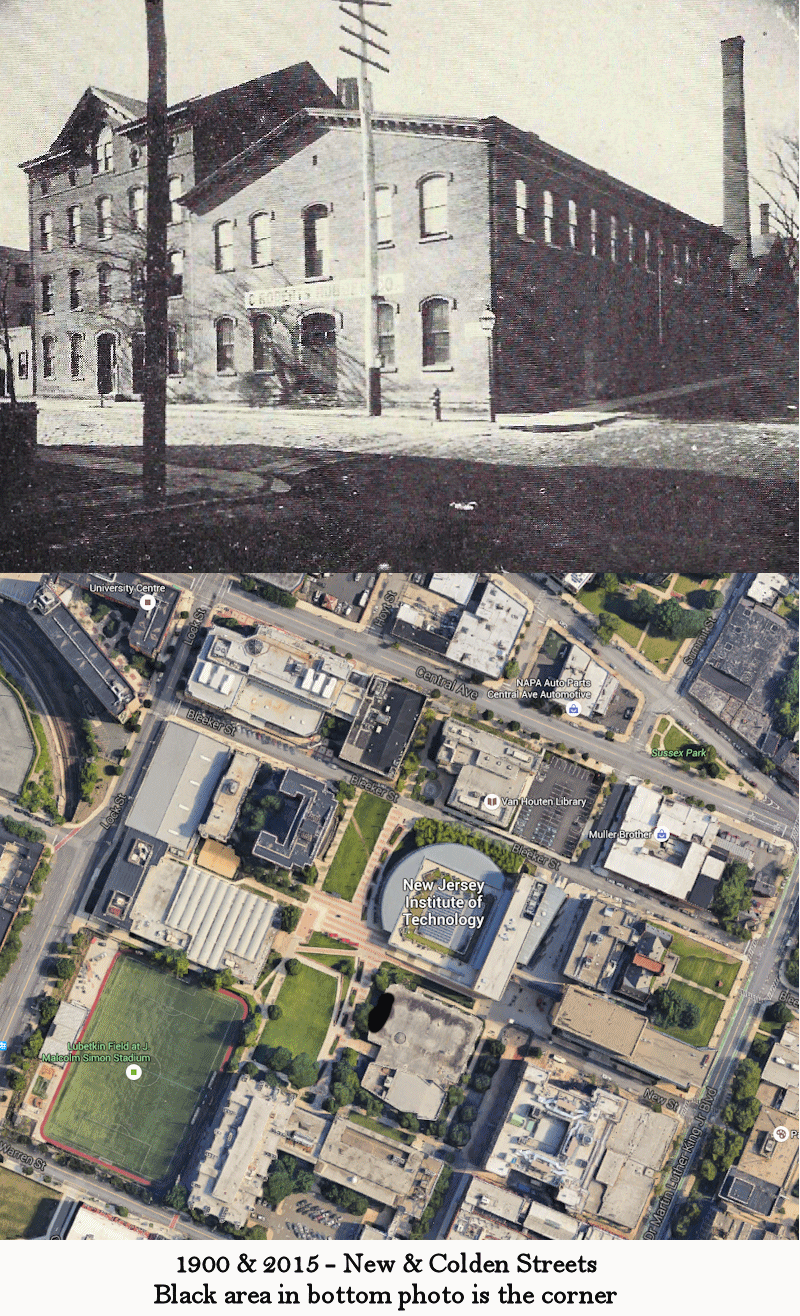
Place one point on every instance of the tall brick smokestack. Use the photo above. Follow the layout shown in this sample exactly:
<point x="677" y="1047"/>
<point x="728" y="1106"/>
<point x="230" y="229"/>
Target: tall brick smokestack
<point x="736" y="194"/>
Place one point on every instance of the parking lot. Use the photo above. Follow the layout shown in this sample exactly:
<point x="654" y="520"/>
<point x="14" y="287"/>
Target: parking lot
<point x="346" y="594"/>
<point x="307" y="1218"/>
<point x="554" y="824"/>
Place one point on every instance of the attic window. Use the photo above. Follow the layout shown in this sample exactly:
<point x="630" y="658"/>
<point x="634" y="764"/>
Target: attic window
<point x="174" y="143"/>
<point x="104" y="152"/>
<point x="45" y="186"/>
<point x="73" y="177"/>
<point x="314" y="159"/>
<point x="136" y="156"/>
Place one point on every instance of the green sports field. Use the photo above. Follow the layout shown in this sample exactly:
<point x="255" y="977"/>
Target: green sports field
<point x="138" y="1125"/>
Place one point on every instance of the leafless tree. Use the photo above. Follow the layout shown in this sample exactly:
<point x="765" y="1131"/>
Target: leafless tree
<point x="154" y="438"/>
<point x="5" y="275"/>
<point x="782" y="192"/>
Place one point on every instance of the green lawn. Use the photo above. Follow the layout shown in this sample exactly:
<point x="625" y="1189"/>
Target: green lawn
<point x="662" y="725"/>
<point x="703" y="965"/>
<point x="332" y="961"/>
<point x="307" y="1000"/>
<point x="25" y="1207"/>
<point x="354" y="850"/>
<point x="675" y="737"/>
<point x="710" y="1008"/>
<point x="659" y="650"/>
<point x="138" y="1126"/>
<point x="399" y="1134"/>
<point x="597" y="601"/>
<point x="322" y="940"/>
<point x="683" y="585"/>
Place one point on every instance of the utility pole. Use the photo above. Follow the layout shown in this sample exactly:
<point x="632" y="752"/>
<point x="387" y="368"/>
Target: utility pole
<point x="372" y="364"/>
<point x="154" y="438"/>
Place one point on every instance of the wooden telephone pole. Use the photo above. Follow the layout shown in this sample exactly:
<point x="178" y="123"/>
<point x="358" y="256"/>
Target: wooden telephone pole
<point x="372" y="363"/>
<point x="154" y="423"/>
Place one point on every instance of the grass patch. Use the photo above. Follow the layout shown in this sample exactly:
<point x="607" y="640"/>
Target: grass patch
<point x="675" y="737"/>
<point x="662" y="725"/>
<point x="599" y="600"/>
<point x="701" y="964"/>
<point x="333" y="961"/>
<point x="660" y="651"/>
<point x="307" y="999"/>
<point x="398" y="1134"/>
<point x="323" y="940"/>
<point x="770" y="1028"/>
<point x="685" y="585"/>
<point x="25" y="1207"/>
<point x="710" y="1008"/>
<point x="655" y="743"/>
<point x="354" y="850"/>
<point x="552" y="645"/>
<point x="139" y="1126"/>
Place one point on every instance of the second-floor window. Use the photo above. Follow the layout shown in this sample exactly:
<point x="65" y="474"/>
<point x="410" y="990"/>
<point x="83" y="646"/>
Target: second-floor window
<point x="223" y="245"/>
<point x="76" y="355"/>
<point x="75" y="291"/>
<point x="260" y="239"/>
<point x="383" y="210"/>
<point x="49" y="356"/>
<point x="647" y="249"/>
<point x="613" y="238"/>
<point x="631" y="244"/>
<point x="547" y="215"/>
<point x="104" y="217"/>
<point x="47" y="293"/>
<point x="433" y="206"/>
<point x="175" y="207"/>
<point x="46" y="232"/>
<point x="593" y="231"/>
<point x="521" y="207"/>
<point x="573" y="225"/>
<point x="316" y="233"/>
<point x="136" y="208"/>
<point x="137" y="280"/>
<point x="104" y="285"/>
<point x="74" y="226"/>
<point x="175" y="275"/>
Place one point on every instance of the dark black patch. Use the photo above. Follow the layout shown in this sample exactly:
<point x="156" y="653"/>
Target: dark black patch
<point x="380" y="1012"/>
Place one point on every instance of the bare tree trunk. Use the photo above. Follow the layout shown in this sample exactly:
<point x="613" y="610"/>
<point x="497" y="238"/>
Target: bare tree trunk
<point x="154" y="438"/>
<point x="12" y="396"/>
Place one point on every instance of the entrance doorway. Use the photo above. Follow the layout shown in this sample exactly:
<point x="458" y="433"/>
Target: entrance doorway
<point x="137" y="363"/>
<point x="318" y="351"/>
<point x="106" y="363"/>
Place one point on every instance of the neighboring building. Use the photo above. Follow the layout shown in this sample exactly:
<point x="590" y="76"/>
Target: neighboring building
<point x="106" y="683"/>
<point x="601" y="1025"/>
<point x="682" y="865"/>
<point x="87" y="213"/>
<point x="457" y="586"/>
<point x="219" y="859"/>
<point x="304" y="825"/>
<point x="243" y="1144"/>
<point x="575" y="581"/>
<point x="487" y="632"/>
<point x="379" y="1166"/>
<point x="18" y="860"/>
<point x="229" y="796"/>
<point x="484" y="764"/>
<point x="20" y="342"/>
<point x="489" y="1212"/>
<point x="781" y="1071"/>
<point x="289" y="582"/>
<point x="124" y="589"/>
<point x="424" y="1047"/>
<point x="217" y="924"/>
<point x="90" y="1223"/>
<point x="272" y="679"/>
<point x="593" y="686"/>
<point x="768" y="587"/>
<point x="738" y="678"/>
<point x="16" y="276"/>
<point x="599" y="1156"/>
<point x="383" y="727"/>
<point x="178" y="786"/>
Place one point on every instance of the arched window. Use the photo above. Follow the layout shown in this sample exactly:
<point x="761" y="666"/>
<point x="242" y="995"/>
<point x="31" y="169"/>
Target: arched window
<point x="262" y="343"/>
<point x="613" y="237"/>
<point x="175" y="277"/>
<point x="136" y="207"/>
<point x="75" y="291"/>
<point x="103" y="285"/>
<point x="223" y="245"/>
<point x="547" y="215"/>
<point x="261" y="239"/>
<point x="76" y="355"/>
<point x="74" y="226"/>
<point x="104" y="217"/>
<point x="174" y="351"/>
<point x="433" y="206"/>
<point x="49" y="356"/>
<point x="435" y="332"/>
<point x="104" y="152"/>
<point x="225" y="355"/>
<point x="46" y="232"/>
<point x="316" y="241"/>
<point x="47" y="293"/>
<point x="175" y="190"/>
<point x="386" y="345"/>
<point x="573" y="225"/>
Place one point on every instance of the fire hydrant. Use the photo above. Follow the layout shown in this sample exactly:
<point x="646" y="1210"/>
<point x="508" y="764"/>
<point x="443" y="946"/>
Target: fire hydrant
<point x="436" y="399"/>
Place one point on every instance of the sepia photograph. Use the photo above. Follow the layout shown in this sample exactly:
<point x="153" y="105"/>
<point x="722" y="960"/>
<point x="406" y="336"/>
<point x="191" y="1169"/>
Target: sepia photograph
<point x="367" y="282"/>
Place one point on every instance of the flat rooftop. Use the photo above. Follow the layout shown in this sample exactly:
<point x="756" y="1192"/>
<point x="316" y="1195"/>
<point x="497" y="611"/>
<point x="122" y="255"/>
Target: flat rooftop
<point x="106" y="683"/>
<point x="369" y="1163"/>
<point x="599" y="1021"/>
<point x="178" y="786"/>
<point x="485" y="636"/>
<point x="425" y="1037"/>
<point x="383" y="727"/>
<point x="235" y="782"/>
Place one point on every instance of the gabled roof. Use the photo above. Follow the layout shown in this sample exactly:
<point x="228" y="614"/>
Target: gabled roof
<point x="91" y="104"/>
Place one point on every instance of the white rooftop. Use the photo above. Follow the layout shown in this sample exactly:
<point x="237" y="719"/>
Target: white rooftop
<point x="453" y="585"/>
<point x="484" y="638"/>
